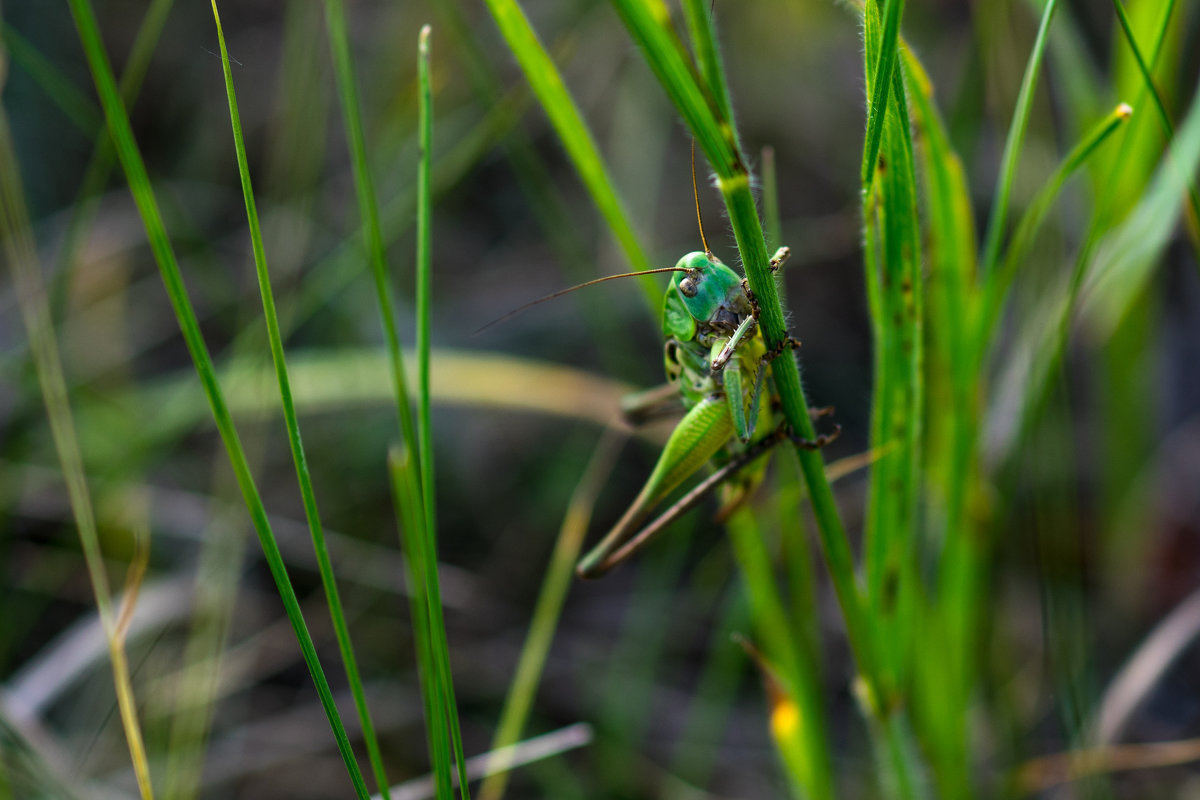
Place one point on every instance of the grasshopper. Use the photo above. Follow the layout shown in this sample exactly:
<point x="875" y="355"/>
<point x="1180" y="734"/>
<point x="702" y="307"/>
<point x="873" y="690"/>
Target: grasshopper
<point x="716" y="362"/>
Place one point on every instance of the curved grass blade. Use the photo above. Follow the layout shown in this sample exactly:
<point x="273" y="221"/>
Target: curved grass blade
<point x="143" y="193"/>
<point x="548" y="85"/>
<point x="1126" y="259"/>
<point x="998" y="282"/>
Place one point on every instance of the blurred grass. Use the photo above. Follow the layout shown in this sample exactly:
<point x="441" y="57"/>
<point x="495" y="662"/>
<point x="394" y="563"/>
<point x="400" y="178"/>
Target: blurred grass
<point x="1027" y="402"/>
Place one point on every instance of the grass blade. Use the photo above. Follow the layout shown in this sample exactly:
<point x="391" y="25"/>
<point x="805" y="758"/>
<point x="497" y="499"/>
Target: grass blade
<point x="1126" y="259"/>
<point x="803" y="747"/>
<point x="649" y="26"/>
<point x="998" y="282"/>
<point x="1164" y="117"/>
<point x="437" y="625"/>
<point x="139" y="183"/>
<point x="311" y="513"/>
<point x="559" y="575"/>
<point x="943" y="687"/>
<point x="893" y="256"/>
<point x="368" y="207"/>
<point x="708" y="55"/>
<point x="548" y="85"/>
<point x="881" y="82"/>
<point x="1013" y="143"/>
<point x="76" y="106"/>
<point x="412" y="538"/>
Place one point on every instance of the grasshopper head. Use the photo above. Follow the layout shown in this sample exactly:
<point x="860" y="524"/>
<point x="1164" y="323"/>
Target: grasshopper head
<point x="707" y="286"/>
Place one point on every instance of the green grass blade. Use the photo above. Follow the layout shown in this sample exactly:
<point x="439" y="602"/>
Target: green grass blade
<point x="894" y="268"/>
<point x="943" y="686"/>
<point x="773" y="227"/>
<point x="440" y="647"/>
<point x="412" y="538"/>
<point x="424" y="283"/>
<point x="311" y="513"/>
<point x="368" y="208"/>
<point x="58" y="87"/>
<point x="438" y="690"/>
<point x="879" y="86"/>
<point x="650" y="28"/>
<point x="1127" y="258"/>
<point x="1128" y="169"/>
<point x="102" y="158"/>
<point x="139" y="182"/>
<point x="998" y="217"/>
<point x="809" y="764"/>
<point x="560" y="573"/>
<point x="998" y="282"/>
<point x="1164" y="117"/>
<point x="649" y="23"/>
<point x="548" y="85"/>
<point x="704" y="44"/>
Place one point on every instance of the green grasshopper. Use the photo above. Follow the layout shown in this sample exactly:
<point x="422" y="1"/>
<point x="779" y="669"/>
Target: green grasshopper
<point x="716" y="360"/>
<point x="716" y="363"/>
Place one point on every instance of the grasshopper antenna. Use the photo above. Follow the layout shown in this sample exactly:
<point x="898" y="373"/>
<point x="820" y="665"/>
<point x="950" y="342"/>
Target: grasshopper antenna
<point x="561" y="292"/>
<point x="712" y="8"/>
<point x="696" y="197"/>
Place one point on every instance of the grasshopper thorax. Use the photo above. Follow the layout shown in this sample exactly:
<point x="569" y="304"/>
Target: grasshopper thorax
<point x="711" y="291"/>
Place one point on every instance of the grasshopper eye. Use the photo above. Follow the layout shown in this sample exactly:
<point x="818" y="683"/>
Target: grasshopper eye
<point x="687" y="287"/>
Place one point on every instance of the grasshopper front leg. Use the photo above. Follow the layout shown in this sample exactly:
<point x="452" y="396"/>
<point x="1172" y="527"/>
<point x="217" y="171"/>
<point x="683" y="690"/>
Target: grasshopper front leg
<point x="750" y="322"/>
<point x="699" y="436"/>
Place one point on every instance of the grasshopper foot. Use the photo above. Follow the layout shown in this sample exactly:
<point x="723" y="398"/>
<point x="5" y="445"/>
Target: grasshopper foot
<point x="819" y="442"/>
<point x="781" y="255"/>
<point x="776" y="262"/>
<point x="775" y="352"/>
<point x="816" y="413"/>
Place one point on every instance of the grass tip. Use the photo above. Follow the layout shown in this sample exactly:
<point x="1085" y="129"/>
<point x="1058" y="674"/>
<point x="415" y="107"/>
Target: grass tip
<point x="423" y="38"/>
<point x="397" y="456"/>
<point x="1124" y="111"/>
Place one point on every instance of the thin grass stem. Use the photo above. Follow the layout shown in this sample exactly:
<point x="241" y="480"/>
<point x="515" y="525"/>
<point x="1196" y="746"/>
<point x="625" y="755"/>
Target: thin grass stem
<point x="440" y="646"/>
